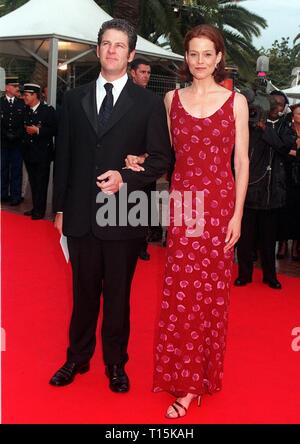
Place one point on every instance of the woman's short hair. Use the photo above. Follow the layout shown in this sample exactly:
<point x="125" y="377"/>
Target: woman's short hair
<point x="212" y="33"/>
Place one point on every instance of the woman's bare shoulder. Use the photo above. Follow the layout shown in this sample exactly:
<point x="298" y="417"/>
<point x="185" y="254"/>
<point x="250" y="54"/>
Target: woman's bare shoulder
<point x="240" y="100"/>
<point x="168" y="98"/>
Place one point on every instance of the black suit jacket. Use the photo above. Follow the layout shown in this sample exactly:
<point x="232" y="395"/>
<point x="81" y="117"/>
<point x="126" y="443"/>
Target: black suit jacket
<point x="38" y="148"/>
<point x="137" y="125"/>
<point x="12" y="123"/>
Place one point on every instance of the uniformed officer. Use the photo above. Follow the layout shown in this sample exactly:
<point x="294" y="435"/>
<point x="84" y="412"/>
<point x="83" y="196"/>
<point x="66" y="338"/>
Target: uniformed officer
<point x="12" y="117"/>
<point x="40" y="128"/>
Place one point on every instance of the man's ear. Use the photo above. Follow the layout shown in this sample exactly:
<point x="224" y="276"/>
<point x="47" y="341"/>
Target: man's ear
<point x="131" y="56"/>
<point x="98" y="51"/>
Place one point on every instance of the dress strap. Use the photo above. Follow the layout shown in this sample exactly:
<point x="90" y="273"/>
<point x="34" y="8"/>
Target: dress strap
<point x="174" y="100"/>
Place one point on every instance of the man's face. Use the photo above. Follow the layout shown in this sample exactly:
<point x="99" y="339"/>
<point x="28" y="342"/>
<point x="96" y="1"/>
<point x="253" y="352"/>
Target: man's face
<point x="141" y="75"/>
<point x="113" y="53"/>
<point x="280" y="104"/>
<point x="30" y="99"/>
<point x="12" y="90"/>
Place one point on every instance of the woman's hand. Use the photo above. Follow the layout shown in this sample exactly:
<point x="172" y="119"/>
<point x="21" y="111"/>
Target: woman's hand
<point x="133" y="162"/>
<point x="233" y="233"/>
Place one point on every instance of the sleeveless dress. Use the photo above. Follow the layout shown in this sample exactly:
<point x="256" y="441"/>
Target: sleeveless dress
<point x="192" y="324"/>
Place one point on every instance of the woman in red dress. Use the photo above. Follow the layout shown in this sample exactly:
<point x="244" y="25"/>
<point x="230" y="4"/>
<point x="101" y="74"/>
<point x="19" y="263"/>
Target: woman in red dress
<point x="205" y="121"/>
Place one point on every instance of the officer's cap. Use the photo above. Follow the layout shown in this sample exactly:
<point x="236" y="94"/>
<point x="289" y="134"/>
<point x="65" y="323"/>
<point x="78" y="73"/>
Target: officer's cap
<point x="32" y="88"/>
<point x="12" y="80"/>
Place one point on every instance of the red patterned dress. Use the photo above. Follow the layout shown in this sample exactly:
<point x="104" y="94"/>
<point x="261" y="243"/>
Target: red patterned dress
<point x="192" y="325"/>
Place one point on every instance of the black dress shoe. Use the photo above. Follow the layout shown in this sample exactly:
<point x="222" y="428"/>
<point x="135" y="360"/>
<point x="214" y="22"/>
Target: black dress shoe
<point x="273" y="283"/>
<point x="37" y="216"/>
<point x="66" y="374"/>
<point x="28" y="213"/>
<point x="118" y="380"/>
<point x="144" y="255"/>
<point x="239" y="282"/>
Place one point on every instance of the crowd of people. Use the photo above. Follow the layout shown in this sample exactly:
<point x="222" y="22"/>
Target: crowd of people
<point x="28" y="126"/>
<point x="114" y="131"/>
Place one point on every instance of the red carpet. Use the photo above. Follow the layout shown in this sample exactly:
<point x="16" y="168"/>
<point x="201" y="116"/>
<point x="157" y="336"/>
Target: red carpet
<point x="261" y="385"/>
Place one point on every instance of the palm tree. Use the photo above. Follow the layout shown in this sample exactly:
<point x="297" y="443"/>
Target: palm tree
<point x="151" y="18"/>
<point x="237" y="24"/>
<point x="297" y="45"/>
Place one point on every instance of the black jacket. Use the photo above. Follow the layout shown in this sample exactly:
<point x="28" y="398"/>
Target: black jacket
<point x="137" y="125"/>
<point x="12" y="121"/>
<point x="267" y="178"/>
<point x="38" y="148"/>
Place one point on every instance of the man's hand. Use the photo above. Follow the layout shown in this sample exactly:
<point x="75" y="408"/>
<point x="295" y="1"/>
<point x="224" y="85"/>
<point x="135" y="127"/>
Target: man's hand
<point x="58" y="222"/>
<point x="133" y="162"/>
<point x="32" y="129"/>
<point x="110" y="182"/>
<point x="261" y="124"/>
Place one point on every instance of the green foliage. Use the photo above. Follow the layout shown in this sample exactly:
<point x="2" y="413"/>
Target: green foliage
<point x="7" y="6"/>
<point x="283" y="59"/>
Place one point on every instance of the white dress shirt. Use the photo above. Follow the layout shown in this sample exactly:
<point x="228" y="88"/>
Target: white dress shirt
<point x="10" y="98"/>
<point x="34" y="108"/>
<point x="118" y="86"/>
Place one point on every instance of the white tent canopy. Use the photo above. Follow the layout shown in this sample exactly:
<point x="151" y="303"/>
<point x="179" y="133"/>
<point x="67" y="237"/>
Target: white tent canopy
<point x="293" y="93"/>
<point x="38" y="27"/>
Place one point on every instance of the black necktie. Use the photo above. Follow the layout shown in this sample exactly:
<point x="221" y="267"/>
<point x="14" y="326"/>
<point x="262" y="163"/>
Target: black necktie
<point x="107" y="105"/>
<point x="11" y="102"/>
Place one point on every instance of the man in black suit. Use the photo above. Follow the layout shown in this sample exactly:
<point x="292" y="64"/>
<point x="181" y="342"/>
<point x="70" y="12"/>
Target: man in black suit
<point x="12" y="118"/>
<point x="101" y="124"/>
<point x="40" y="128"/>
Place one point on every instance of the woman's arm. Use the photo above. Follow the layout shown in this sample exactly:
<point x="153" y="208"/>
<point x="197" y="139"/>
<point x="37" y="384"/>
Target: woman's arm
<point x="241" y="159"/>
<point x="241" y="167"/>
<point x="168" y="101"/>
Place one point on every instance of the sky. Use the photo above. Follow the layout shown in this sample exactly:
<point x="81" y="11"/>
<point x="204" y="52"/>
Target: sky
<point x="283" y="18"/>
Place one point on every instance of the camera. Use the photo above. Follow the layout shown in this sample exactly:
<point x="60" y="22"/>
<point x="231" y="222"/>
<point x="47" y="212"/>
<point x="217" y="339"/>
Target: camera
<point x="259" y="101"/>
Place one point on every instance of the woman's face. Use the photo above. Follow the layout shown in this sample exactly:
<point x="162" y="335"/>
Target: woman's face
<point x="202" y="57"/>
<point x="296" y="115"/>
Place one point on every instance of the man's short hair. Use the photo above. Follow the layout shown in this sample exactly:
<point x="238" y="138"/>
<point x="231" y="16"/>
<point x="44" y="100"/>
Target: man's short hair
<point x="137" y="62"/>
<point x="280" y="93"/>
<point x="119" y="25"/>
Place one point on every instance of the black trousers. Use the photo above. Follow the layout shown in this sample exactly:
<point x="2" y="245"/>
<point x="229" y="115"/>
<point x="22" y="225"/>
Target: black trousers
<point x="107" y="267"/>
<point x="264" y="224"/>
<point x="38" y="174"/>
<point x="11" y="173"/>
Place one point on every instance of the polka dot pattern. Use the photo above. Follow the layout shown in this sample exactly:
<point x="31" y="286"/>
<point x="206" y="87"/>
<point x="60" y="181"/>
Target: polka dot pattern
<point x="192" y="325"/>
